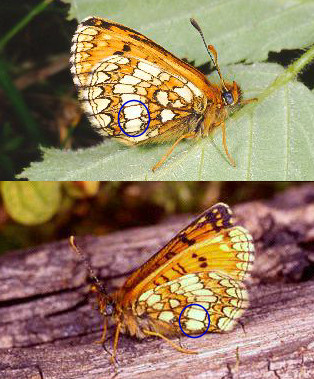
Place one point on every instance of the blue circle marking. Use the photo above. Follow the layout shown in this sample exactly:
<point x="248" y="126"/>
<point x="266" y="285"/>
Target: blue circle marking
<point x="123" y="131"/>
<point x="190" y="305"/>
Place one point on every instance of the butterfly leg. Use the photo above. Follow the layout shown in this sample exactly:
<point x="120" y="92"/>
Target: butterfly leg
<point x="182" y="350"/>
<point x="180" y="342"/>
<point x="162" y="160"/>
<point x="248" y="101"/>
<point x="104" y="332"/>
<point x="224" y="142"/>
<point x="224" y="134"/>
<point x="113" y="359"/>
<point x="115" y="344"/>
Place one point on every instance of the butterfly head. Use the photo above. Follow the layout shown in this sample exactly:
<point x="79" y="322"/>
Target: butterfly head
<point x="106" y="304"/>
<point x="231" y="94"/>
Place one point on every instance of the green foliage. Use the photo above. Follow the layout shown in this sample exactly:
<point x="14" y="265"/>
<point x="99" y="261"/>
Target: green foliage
<point x="269" y="140"/>
<point x="31" y="203"/>
<point x="7" y="84"/>
<point x="28" y="132"/>
<point x="18" y="103"/>
<point x="240" y="29"/>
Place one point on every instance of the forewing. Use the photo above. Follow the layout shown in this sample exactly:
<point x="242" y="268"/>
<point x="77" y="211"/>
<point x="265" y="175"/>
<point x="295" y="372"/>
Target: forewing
<point x="209" y="244"/>
<point x="112" y="64"/>
<point x="96" y="39"/>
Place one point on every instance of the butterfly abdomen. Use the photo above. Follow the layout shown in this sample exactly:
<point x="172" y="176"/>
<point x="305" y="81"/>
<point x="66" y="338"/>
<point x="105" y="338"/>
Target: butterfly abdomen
<point x="136" y="324"/>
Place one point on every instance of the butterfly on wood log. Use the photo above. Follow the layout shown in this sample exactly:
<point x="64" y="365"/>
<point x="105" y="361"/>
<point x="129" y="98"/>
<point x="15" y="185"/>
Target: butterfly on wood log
<point x="205" y="264"/>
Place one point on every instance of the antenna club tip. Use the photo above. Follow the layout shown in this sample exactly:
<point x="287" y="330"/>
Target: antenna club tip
<point x="195" y="24"/>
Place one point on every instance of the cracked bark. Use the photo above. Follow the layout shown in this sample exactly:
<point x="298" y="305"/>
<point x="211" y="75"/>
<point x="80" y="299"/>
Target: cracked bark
<point x="48" y="325"/>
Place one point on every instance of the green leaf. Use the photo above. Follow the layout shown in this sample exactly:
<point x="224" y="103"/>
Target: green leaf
<point x="269" y="140"/>
<point x="241" y="30"/>
<point x="31" y="203"/>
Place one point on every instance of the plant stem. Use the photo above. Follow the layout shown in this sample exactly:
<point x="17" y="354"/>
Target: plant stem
<point x="285" y="77"/>
<point x="290" y="73"/>
<point x="18" y="103"/>
<point x="23" y="22"/>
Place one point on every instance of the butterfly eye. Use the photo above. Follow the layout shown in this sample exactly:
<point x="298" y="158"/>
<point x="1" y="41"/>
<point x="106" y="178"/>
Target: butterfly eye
<point x="109" y="309"/>
<point x="228" y="98"/>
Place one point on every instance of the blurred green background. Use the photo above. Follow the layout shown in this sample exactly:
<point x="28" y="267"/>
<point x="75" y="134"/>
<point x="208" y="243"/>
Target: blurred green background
<point x="38" y="102"/>
<point x="36" y="212"/>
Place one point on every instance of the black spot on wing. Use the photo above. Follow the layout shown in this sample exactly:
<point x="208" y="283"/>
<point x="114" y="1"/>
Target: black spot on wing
<point x="184" y="239"/>
<point x="138" y="37"/>
<point x="219" y="216"/>
<point x="126" y="48"/>
<point x="170" y="254"/>
<point x="182" y="268"/>
<point x="158" y="117"/>
<point x="127" y="29"/>
<point x="93" y="21"/>
<point x="165" y="278"/>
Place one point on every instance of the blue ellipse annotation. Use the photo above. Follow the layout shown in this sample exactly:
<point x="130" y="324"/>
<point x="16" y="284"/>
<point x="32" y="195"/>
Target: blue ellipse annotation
<point x="123" y="131"/>
<point x="190" y="305"/>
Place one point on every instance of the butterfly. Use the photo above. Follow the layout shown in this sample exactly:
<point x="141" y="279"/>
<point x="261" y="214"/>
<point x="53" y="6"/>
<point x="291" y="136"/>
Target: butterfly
<point x="192" y="285"/>
<point x="134" y="90"/>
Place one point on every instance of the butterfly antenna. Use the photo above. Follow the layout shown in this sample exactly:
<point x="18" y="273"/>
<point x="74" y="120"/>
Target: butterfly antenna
<point x="210" y="50"/>
<point x="84" y="259"/>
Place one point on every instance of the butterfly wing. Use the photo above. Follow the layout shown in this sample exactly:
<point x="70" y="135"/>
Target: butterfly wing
<point x="211" y="243"/>
<point x="208" y="301"/>
<point x="96" y="39"/>
<point x="112" y="64"/>
<point x="200" y="273"/>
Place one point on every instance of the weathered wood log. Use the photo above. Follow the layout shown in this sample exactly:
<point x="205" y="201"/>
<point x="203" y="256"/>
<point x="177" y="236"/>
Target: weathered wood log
<point x="48" y="325"/>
